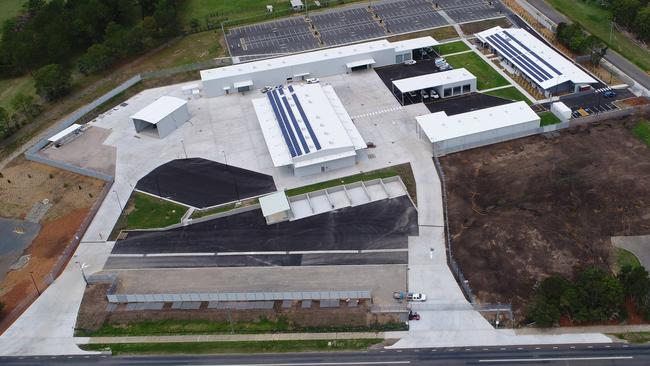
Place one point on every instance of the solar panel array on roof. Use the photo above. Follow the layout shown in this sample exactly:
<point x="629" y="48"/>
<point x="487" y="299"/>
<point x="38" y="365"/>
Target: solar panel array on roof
<point x="177" y="299"/>
<point x="519" y="58"/>
<point x="532" y="53"/>
<point x="290" y="125"/>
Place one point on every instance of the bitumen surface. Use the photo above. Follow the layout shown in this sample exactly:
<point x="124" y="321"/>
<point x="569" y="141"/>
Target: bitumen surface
<point x="466" y="103"/>
<point x="324" y="259"/>
<point x="565" y="355"/>
<point x="15" y="237"/>
<point x="204" y="183"/>
<point x="382" y="224"/>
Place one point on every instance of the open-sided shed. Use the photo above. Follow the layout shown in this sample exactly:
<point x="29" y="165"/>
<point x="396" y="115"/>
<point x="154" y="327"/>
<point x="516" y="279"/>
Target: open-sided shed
<point x="162" y="116"/>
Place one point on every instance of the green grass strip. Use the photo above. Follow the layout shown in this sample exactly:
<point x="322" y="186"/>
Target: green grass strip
<point x="234" y="347"/>
<point x="382" y="173"/>
<point x="548" y="118"/>
<point x="487" y="77"/>
<point x="637" y="337"/>
<point x="453" y="47"/>
<point x="199" y="326"/>
<point x="151" y="212"/>
<point x="642" y="131"/>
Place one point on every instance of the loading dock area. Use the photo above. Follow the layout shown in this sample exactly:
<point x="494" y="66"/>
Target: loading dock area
<point x="433" y="86"/>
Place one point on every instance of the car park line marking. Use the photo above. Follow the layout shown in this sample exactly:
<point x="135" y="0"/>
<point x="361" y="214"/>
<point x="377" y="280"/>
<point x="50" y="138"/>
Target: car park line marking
<point x="557" y="359"/>
<point x="325" y="363"/>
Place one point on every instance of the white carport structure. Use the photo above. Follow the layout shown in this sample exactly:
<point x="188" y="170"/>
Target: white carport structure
<point x="275" y="207"/>
<point x="446" y="83"/>
<point x="162" y="116"/>
<point x="364" y="64"/>
<point x="66" y="135"/>
<point x="482" y="127"/>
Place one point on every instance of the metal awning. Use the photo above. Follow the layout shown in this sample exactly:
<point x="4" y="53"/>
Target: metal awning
<point x="300" y="75"/>
<point x="243" y="84"/>
<point x="367" y="61"/>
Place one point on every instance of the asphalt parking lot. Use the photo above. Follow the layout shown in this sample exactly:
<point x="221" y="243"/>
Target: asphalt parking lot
<point x="401" y="71"/>
<point x="282" y="36"/>
<point x="204" y="183"/>
<point x="465" y="103"/>
<point x="592" y="102"/>
<point x="465" y="11"/>
<point x="382" y="224"/>
<point x="345" y="26"/>
<point x="351" y="24"/>
<point x="408" y="16"/>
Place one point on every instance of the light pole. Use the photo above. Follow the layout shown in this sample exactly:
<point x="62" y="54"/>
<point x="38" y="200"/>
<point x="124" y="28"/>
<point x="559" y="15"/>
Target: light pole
<point x="119" y="203"/>
<point x="83" y="266"/>
<point x="184" y="151"/>
<point x="31" y="274"/>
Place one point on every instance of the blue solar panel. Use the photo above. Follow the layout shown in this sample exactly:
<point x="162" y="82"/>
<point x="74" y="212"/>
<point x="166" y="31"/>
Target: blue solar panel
<point x="533" y="53"/>
<point x="514" y="58"/>
<point x="281" y="123"/>
<point x="285" y="120"/>
<point x="531" y="67"/>
<point x="305" y="119"/>
<point x="296" y="126"/>
<point x="532" y="64"/>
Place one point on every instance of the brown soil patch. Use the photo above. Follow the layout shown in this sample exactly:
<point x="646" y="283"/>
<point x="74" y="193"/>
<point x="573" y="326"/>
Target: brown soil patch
<point x="24" y="183"/>
<point x="528" y="208"/>
<point x="17" y="288"/>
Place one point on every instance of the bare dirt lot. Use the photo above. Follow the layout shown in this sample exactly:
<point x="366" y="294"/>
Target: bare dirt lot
<point x="22" y="184"/>
<point x="527" y="208"/>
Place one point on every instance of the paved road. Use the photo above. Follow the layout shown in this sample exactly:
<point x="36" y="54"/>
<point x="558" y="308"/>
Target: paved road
<point x="616" y="59"/>
<point x="561" y="355"/>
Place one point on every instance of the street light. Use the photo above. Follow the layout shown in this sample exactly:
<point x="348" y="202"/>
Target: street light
<point x="83" y="266"/>
<point x="118" y="200"/>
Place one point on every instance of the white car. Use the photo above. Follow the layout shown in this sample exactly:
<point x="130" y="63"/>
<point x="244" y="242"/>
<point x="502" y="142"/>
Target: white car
<point x="417" y="297"/>
<point x="409" y="62"/>
<point x="312" y="81"/>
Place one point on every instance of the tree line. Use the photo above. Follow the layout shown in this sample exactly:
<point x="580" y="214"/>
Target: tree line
<point x="594" y="295"/>
<point x="575" y="38"/>
<point x="51" y="39"/>
<point x="633" y="15"/>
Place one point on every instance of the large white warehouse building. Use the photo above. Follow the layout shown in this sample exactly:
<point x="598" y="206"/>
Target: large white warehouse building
<point x="458" y="132"/>
<point x="321" y="63"/>
<point x="307" y="129"/>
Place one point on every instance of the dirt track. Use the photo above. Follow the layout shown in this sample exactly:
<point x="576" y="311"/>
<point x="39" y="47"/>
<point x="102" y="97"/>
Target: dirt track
<point x="528" y="208"/>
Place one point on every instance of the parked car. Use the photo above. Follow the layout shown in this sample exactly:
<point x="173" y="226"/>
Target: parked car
<point x="409" y="296"/>
<point x="609" y="94"/>
<point x="424" y="94"/>
<point x="266" y="89"/>
<point x="414" y="316"/>
<point x="434" y="95"/>
<point x="409" y="62"/>
<point x="413" y="94"/>
<point x="312" y="80"/>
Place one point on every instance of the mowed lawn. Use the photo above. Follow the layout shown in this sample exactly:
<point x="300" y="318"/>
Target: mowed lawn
<point x="487" y="77"/>
<point x="597" y="21"/>
<point x="149" y="212"/>
<point x="234" y="9"/>
<point x="511" y="93"/>
<point x="453" y="47"/>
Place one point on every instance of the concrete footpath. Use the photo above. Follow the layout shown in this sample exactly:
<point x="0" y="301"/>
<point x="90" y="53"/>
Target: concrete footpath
<point x="230" y="338"/>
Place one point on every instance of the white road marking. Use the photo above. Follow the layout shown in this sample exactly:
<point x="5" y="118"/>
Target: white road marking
<point x="557" y="359"/>
<point x="323" y="363"/>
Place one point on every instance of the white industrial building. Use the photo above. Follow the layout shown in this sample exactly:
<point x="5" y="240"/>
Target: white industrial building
<point x="162" y="116"/>
<point x="307" y="129"/>
<point x="550" y="72"/>
<point x="446" y="84"/>
<point x="482" y="127"/>
<point x="321" y="63"/>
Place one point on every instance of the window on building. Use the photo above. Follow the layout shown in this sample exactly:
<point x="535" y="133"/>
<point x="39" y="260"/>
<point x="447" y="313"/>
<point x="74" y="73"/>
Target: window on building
<point x="456" y="90"/>
<point x="466" y="88"/>
<point x="447" y="92"/>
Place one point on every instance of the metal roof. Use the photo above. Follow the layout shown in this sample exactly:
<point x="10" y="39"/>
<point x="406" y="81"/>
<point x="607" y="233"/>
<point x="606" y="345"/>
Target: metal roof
<point x="300" y="121"/>
<point x="274" y="203"/>
<point x="365" y="61"/>
<point x="534" y="58"/>
<point x="72" y="128"/>
<point x="433" y="80"/>
<point x="440" y="127"/>
<point x="159" y="109"/>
